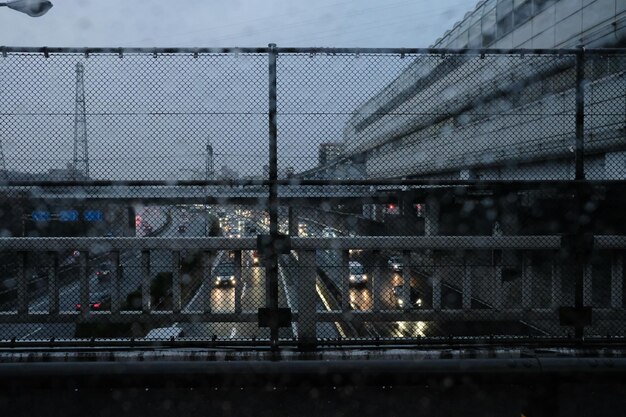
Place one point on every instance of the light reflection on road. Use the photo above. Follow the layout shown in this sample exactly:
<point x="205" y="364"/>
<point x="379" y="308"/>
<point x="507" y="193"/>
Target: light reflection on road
<point x="410" y="329"/>
<point x="361" y="298"/>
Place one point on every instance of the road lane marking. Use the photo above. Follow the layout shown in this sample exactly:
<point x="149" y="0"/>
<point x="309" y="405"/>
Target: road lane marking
<point x="193" y="299"/>
<point x="243" y="290"/>
<point x="294" y="325"/>
<point x="32" y="333"/>
<point x="200" y="289"/>
<point x="328" y="307"/>
<point x="64" y="291"/>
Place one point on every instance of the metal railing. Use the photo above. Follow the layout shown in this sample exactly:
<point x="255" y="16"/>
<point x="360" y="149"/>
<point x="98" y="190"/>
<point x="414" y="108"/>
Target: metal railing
<point x="309" y="287"/>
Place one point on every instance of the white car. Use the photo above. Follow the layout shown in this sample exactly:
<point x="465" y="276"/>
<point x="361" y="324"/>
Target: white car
<point x="328" y="232"/>
<point x="357" y="274"/>
<point x="395" y="263"/>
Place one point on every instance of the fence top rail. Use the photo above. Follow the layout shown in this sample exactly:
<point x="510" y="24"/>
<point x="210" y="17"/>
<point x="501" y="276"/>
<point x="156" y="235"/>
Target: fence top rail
<point x="305" y="50"/>
<point x="104" y="244"/>
<point x="513" y="183"/>
<point x="610" y="242"/>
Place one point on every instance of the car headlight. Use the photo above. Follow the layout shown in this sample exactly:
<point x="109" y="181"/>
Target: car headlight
<point x="364" y="277"/>
<point x="217" y="280"/>
<point x="232" y="279"/>
<point x="400" y="302"/>
<point x="352" y="278"/>
<point x="418" y="302"/>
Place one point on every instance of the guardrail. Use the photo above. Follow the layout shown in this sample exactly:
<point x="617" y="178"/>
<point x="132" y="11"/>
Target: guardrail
<point x="537" y="309"/>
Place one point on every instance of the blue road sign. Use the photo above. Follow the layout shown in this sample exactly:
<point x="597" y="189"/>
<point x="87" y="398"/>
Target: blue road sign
<point x="68" y="216"/>
<point x="93" y="215"/>
<point x="41" y="216"/>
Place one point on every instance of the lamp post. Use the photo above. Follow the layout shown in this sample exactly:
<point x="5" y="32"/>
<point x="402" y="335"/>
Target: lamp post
<point x="33" y="8"/>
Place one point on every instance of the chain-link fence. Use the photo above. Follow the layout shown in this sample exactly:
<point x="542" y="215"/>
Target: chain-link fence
<point x="314" y="196"/>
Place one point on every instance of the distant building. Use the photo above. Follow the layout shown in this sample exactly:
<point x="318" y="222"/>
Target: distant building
<point x="287" y="172"/>
<point x="328" y="152"/>
<point x="465" y="120"/>
<point x="227" y="173"/>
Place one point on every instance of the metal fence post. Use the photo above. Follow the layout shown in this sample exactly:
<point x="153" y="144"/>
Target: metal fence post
<point x="307" y="300"/>
<point x="118" y="273"/>
<point x="176" y="289"/>
<point x="579" y="162"/>
<point x="53" y="282"/>
<point x="272" y="260"/>
<point x="238" y="281"/>
<point x="83" y="278"/>
<point x="580" y="192"/>
<point x="22" y="284"/>
<point x="146" y="279"/>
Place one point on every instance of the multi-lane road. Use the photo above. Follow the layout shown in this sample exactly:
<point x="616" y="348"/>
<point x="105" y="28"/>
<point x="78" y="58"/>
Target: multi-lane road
<point x="99" y="287"/>
<point x="380" y="292"/>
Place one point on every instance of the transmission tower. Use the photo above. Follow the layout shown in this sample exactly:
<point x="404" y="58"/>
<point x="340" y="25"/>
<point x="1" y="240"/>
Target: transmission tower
<point x="81" y="156"/>
<point x="208" y="169"/>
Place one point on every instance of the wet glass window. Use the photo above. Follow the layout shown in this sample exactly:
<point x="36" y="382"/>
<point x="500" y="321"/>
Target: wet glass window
<point x="541" y="5"/>
<point x="504" y="14"/>
<point x="522" y="12"/>
<point x="225" y="269"/>
<point x="489" y="27"/>
<point x="474" y="36"/>
<point x="462" y="40"/>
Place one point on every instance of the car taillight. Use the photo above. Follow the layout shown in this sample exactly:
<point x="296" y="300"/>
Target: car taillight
<point x="78" y="306"/>
<point x="96" y="305"/>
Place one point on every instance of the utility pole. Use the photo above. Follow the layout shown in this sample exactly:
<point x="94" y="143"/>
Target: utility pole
<point x="81" y="156"/>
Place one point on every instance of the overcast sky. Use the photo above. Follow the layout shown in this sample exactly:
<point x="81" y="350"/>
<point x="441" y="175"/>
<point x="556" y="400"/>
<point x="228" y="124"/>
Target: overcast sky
<point x="149" y="23"/>
<point x="151" y="118"/>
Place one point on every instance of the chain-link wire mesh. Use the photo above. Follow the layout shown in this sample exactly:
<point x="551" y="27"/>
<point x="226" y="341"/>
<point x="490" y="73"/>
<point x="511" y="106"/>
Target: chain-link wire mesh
<point x="427" y="196"/>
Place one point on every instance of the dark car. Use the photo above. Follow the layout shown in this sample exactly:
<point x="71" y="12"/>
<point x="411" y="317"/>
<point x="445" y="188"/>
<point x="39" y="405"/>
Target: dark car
<point x="414" y="298"/>
<point x="225" y="274"/>
<point x="104" y="270"/>
<point x="97" y="302"/>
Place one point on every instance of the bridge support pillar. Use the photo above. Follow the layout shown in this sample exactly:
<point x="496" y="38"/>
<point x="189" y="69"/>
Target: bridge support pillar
<point x="617" y="277"/>
<point x="431" y="228"/>
<point x="431" y="218"/>
<point x="376" y="280"/>
<point x="528" y="279"/>
<point x="556" y="290"/>
<point x="129" y="222"/>
<point x="293" y="221"/>
<point x="344" y="273"/>
<point x="238" y="281"/>
<point x="511" y="262"/>
<point x="307" y="296"/>
<point x="466" y="281"/>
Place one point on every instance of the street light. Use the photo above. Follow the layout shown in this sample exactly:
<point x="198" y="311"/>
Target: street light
<point x="33" y="8"/>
